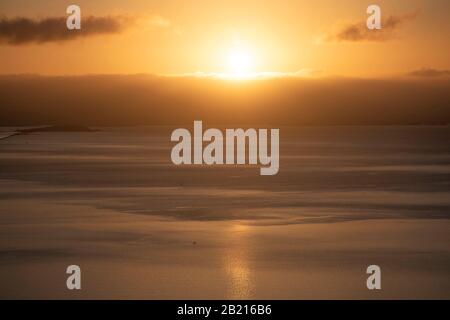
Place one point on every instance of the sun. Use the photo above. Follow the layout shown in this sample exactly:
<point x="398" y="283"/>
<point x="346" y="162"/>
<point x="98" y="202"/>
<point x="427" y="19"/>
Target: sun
<point x="239" y="62"/>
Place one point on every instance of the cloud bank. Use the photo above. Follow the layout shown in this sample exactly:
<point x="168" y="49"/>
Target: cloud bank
<point x="151" y="100"/>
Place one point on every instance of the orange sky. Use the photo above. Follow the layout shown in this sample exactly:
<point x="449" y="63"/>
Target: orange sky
<point x="179" y="37"/>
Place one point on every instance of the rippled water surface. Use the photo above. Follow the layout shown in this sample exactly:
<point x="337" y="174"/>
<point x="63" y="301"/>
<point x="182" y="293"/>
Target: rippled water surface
<point x="141" y="227"/>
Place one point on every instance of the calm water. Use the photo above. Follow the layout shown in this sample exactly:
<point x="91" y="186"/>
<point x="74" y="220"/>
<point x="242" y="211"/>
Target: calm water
<point x="140" y="227"/>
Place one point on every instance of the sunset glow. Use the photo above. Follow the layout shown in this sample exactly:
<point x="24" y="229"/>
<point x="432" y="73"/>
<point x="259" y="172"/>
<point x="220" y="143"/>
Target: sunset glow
<point x="230" y="38"/>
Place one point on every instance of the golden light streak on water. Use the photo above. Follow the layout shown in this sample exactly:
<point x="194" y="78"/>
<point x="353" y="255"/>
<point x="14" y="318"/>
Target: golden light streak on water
<point x="236" y="264"/>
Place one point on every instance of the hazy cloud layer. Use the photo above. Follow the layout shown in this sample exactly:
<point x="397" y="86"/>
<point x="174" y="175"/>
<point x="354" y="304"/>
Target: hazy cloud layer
<point x="142" y="99"/>
<point x="21" y="30"/>
<point x="429" y="73"/>
<point x="356" y="32"/>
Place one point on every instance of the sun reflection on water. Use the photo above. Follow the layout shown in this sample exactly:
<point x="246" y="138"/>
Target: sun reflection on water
<point x="236" y="264"/>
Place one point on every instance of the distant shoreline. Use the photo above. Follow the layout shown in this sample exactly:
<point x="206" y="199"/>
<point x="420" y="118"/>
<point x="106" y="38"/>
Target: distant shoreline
<point x="69" y="128"/>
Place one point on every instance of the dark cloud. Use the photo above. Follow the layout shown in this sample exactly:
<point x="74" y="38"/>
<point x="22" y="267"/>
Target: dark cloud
<point x="356" y="32"/>
<point x="429" y="73"/>
<point x="19" y="31"/>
